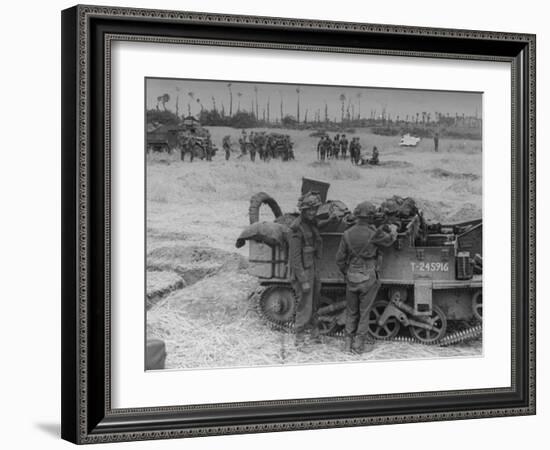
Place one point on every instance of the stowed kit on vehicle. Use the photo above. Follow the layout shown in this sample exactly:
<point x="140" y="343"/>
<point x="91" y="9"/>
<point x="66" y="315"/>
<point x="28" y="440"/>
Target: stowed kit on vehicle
<point x="431" y="282"/>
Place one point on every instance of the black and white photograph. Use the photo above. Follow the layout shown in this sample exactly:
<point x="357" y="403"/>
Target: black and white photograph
<point x="291" y="224"/>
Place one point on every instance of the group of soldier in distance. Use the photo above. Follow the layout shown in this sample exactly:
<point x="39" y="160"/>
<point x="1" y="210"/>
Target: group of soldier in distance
<point x="339" y="146"/>
<point x="358" y="259"/>
<point x="265" y="146"/>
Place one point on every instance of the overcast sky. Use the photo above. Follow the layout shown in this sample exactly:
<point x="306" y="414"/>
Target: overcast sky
<point x="400" y="102"/>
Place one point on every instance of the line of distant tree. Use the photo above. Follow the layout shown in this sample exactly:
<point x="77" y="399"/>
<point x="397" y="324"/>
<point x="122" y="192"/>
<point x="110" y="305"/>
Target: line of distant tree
<point x="421" y="124"/>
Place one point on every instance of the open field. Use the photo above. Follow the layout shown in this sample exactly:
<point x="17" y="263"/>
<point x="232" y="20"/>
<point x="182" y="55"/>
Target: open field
<point x="196" y="211"/>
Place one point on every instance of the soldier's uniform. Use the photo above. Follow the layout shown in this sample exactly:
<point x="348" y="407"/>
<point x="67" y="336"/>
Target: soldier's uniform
<point x="252" y="146"/>
<point x="357" y="259"/>
<point x="344" y="147"/>
<point x="328" y="143"/>
<point x="191" y="147"/>
<point x="259" y="142"/>
<point x="357" y="151"/>
<point x="305" y="248"/>
<point x="352" y="151"/>
<point x="289" y="152"/>
<point x="336" y="146"/>
<point x="226" y="143"/>
<point x="242" y="142"/>
<point x="374" y="160"/>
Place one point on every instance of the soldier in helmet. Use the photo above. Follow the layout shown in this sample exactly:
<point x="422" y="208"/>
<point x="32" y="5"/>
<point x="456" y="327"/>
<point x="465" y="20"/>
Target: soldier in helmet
<point x="336" y="146"/>
<point x="304" y="255"/>
<point x="357" y="151"/>
<point x="226" y="143"/>
<point x="357" y="259"/>
<point x="374" y="160"/>
<point x="242" y="142"/>
<point x="344" y="146"/>
<point x="329" y="146"/>
<point x="352" y="150"/>
<point x="322" y="147"/>
<point x="252" y="146"/>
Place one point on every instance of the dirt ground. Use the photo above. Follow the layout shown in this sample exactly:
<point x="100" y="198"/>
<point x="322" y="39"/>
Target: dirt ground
<point x="196" y="211"/>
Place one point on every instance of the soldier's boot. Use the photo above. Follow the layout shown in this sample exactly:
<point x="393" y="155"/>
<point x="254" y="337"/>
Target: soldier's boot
<point x="315" y="336"/>
<point x="368" y="345"/>
<point x="301" y="343"/>
<point x="348" y="343"/>
<point x="362" y="345"/>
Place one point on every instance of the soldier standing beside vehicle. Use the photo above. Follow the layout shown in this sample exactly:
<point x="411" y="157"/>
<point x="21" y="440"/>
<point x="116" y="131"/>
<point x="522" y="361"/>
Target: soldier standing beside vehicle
<point x="305" y="247"/>
<point x="357" y="259"/>
<point x="190" y="147"/>
<point x="289" y="152"/>
<point x="208" y="151"/>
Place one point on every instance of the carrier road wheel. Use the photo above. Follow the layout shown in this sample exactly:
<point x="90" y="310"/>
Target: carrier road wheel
<point x="477" y="305"/>
<point x="277" y="304"/>
<point x="387" y="331"/>
<point x="439" y="327"/>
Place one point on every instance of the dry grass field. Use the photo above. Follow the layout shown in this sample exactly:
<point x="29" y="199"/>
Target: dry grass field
<point x="196" y="211"/>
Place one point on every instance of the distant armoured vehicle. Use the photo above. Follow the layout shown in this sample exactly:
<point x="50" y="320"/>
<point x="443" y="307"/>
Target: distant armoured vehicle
<point x="431" y="276"/>
<point x="189" y="137"/>
<point x="158" y="144"/>
<point x="160" y="138"/>
<point x="194" y="140"/>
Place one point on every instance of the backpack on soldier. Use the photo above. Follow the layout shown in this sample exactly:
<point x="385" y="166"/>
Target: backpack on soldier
<point x="358" y="271"/>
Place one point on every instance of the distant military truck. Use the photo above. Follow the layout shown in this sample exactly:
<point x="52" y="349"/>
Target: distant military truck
<point x="189" y="137"/>
<point x="161" y="138"/>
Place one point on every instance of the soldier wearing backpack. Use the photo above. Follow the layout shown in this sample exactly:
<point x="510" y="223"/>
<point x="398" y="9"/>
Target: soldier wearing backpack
<point x="305" y="249"/>
<point x="357" y="259"/>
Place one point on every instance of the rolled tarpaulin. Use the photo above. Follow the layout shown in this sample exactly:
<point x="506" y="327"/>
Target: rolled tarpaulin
<point x="270" y="233"/>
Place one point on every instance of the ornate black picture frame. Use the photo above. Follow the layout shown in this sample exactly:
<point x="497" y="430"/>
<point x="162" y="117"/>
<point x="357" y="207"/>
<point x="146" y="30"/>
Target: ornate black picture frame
<point x="87" y="35"/>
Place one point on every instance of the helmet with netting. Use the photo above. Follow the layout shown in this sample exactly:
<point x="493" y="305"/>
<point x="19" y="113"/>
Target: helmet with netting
<point x="365" y="210"/>
<point x="309" y="200"/>
<point x="390" y="207"/>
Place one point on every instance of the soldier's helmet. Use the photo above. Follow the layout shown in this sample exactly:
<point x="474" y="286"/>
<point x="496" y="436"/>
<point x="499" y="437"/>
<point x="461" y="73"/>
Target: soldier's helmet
<point x="390" y="207"/>
<point x="309" y="200"/>
<point x="365" y="210"/>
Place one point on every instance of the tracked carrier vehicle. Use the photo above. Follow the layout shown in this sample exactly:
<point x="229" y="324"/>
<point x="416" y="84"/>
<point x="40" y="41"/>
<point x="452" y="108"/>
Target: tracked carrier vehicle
<point x="431" y="281"/>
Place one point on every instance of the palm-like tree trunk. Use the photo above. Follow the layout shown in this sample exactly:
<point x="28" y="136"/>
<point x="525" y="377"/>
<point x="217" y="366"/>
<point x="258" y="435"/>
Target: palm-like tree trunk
<point x="298" y="105"/>
<point x="342" y="99"/>
<point x="230" y="100"/>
